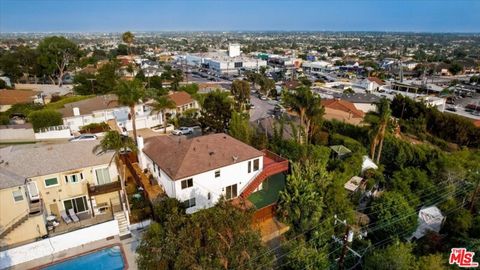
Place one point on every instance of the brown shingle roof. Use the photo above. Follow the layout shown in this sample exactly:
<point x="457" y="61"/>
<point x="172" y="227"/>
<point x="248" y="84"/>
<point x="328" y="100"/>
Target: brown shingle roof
<point x="11" y="97"/>
<point x="376" y="80"/>
<point x="90" y="105"/>
<point x="180" y="158"/>
<point x="343" y="105"/>
<point x="181" y="98"/>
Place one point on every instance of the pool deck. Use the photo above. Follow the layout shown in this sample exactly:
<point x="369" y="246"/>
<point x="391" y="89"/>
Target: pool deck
<point x="129" y="246"/>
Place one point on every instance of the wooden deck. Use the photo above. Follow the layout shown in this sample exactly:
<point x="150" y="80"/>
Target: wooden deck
<point x="152" y="190"/>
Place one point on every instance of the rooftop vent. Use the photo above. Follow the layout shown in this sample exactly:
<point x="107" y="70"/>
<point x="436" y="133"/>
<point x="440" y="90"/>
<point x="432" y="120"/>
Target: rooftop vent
<point x="211" y="153"/>
<point x="234" y="158"/>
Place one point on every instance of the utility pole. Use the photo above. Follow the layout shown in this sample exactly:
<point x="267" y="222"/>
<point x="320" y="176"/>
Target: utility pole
<point x="345" y="241"/>
<point x="474" y="195"/>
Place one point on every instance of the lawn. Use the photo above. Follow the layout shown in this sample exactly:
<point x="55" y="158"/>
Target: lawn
<point x="270" y="192"/>
<point x="59" y="104"/>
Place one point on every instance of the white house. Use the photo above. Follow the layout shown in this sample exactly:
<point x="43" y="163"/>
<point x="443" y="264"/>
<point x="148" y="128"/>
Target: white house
<point x="198" y="171"/>
<point x="100" y="109"/>
<point x="372" y="84"/>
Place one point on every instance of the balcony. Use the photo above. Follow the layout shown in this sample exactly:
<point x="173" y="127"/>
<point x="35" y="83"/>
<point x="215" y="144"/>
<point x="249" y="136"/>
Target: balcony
<point x="272" y="164"/>
<point x="94" y="190"/>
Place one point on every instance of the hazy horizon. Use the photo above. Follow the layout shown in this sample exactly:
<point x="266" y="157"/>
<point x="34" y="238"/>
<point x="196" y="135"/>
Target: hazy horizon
<point x="83" y="16"/>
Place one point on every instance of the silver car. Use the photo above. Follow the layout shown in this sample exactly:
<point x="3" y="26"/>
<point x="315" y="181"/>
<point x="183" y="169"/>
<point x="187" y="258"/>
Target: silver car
<point x="84" y="137"/>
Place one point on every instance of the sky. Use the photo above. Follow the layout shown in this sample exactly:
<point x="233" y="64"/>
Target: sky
<point x="247" y="15"/>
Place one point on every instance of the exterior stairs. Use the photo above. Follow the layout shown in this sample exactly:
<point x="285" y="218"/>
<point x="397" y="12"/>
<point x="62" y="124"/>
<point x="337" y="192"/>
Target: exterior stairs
<point x="14" y="224"/>
<point x="272" y="164"/>
<point x="122" y="223"/>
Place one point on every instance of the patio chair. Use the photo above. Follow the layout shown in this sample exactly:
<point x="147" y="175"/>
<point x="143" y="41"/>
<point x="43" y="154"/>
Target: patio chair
<point x="65" y="217"/>
<point x="73" y="215"/>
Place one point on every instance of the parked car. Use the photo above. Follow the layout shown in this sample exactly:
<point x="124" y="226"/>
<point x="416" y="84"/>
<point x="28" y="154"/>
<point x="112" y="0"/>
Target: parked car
<point x="452" y="109"/>
<point x="263" y="97"/>
<point x="182" y="131"/>
<point x="84" y="137"/>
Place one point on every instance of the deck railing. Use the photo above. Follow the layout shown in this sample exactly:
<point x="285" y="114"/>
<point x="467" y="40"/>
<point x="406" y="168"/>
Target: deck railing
<point x="105" y="188"/>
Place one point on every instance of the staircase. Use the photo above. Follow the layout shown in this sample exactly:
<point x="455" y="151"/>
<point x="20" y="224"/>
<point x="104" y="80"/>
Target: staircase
<point x="122" y="223"/>
<point x="272" y="164"/>
<point x="14" y="223"/>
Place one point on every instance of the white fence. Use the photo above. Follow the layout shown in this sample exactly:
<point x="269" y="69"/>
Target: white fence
<point x="55" y="132"/>
<point x="140" y="225"/>
<point x="47" y="247"/>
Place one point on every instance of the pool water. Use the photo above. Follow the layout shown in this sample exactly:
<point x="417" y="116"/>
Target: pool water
<point x="108" y="258"/>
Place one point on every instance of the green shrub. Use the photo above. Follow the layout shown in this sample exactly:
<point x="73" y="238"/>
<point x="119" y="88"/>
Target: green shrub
<point x="45" y="118"/>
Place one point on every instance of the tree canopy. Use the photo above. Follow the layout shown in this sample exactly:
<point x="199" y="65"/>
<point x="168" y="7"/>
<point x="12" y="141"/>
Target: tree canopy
<point x="220" y="237"/>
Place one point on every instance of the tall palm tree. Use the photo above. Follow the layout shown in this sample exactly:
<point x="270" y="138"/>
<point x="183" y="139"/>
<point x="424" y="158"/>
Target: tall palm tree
<point x="128" y="38"/>
<point x="160" y="105"/>
<point x="378" y="122"/>
<point x="308" y="107"/>
<point x="129" y="93"/>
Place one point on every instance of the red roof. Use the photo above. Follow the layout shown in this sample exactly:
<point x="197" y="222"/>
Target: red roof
<point x="376" y="80"/>
<point x="181" y="98"/>
<point x="343" y="105"/>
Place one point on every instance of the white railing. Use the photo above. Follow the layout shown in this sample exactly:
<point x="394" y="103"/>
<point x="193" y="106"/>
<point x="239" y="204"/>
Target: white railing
<point x="52" y="128"/>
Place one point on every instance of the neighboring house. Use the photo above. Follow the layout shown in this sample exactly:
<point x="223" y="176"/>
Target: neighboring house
<point x="39" y="182"/>
<point x="363" y="102"/>
<point x="430" y="219"/>
<point x="343" y="111"/>
<point x="101" y="109"/>
<point x="198" y="171"/>
<point x="183" y="102"/>
<point x="8" y="98"/>
<point x="372" y="84"/>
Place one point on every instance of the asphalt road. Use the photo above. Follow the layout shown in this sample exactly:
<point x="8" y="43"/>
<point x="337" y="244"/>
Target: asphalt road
<point x="263" y="108"/>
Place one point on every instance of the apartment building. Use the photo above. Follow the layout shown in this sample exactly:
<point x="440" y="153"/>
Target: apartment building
<point x="46" y="190"/>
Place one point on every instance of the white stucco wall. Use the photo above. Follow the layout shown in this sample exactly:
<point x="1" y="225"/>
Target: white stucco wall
<point x="57" y="244"/>
<point x="205" y="183"/>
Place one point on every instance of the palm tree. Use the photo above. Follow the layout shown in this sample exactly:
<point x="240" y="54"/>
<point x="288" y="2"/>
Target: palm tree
<point x="378" y="122"/>
<point x="308" y="107"/>
<point x="161" y="105"/>
<point x="114" y="141"/>
<point x="128" y="94"/>
<point x="128" y="38"/>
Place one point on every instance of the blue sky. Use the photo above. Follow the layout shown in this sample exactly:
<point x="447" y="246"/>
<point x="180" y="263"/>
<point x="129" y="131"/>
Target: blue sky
<point x="197" y="15"/>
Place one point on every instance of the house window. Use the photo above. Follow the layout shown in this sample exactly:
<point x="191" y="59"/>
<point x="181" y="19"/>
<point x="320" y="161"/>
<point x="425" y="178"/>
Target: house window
<point x="79" y="204"/>
<point x="249" y="167"/>
<point x="74" y="178"/>
<point x="103" y="176"/>
<point x="189" y="203"/>
<point x="217" y="173"/>
<point x="187" y="183"/>
<point x="51" y="182"/>
<point x="231" y="192"/>
<point x="256" y="164"/>
<point x="17" y="195"/>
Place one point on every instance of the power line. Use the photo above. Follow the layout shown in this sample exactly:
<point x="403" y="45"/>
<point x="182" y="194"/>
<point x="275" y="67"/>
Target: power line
<point x="434" y="188"/>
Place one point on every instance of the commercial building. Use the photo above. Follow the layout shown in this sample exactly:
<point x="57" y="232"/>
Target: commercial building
<point x="223" y="62"/>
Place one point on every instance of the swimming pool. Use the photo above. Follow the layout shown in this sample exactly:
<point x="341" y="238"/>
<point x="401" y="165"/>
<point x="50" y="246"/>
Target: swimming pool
<point x="109" y="258"/>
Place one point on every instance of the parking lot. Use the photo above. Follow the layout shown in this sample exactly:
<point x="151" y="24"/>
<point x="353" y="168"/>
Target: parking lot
<point x="263" y="108"/>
